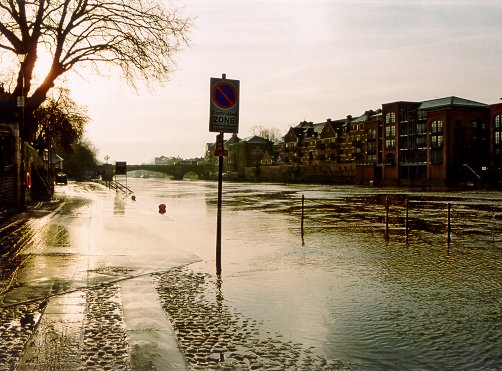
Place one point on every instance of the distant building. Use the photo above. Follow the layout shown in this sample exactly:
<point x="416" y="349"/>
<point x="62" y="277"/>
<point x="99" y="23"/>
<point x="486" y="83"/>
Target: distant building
<point x="445" y="141"/>
<point x="440" y="141"/>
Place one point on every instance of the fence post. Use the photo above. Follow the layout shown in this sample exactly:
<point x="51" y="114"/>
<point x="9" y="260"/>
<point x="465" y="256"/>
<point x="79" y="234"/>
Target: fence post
<point x="406" y="220"/>
<point x="303" y="216"/>
<point x="386" y="218"/>
<point x="449" y="223"/>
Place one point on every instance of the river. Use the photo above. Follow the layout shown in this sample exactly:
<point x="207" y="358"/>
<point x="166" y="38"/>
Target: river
<point x="343" y="289"/>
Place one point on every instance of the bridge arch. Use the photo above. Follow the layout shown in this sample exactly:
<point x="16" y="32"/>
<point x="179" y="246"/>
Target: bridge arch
<point x="178" y="171"/>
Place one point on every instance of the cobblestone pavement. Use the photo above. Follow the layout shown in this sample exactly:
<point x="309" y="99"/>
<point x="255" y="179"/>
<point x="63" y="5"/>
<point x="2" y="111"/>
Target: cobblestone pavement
<point x="79" y="330"/>
<point x="213" y="335"/>
<point x="86" y="330"/>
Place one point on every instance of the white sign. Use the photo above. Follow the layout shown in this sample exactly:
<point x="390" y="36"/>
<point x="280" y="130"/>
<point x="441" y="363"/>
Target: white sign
<point x="224" y="106"/>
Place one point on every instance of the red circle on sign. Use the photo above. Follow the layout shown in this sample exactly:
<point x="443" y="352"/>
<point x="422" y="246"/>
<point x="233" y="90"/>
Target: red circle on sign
<point x="224" y="95"/>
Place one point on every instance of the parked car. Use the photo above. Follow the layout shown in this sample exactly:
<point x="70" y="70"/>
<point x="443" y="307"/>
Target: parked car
<point x="61" y="179"/>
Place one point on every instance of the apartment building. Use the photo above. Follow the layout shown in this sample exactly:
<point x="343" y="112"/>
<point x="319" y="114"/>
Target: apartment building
<point x="445" y="141"/>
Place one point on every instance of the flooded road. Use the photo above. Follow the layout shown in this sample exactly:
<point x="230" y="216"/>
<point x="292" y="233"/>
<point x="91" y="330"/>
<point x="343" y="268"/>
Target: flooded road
<point x="347" y="291"/>
<point x="343" y="295"/>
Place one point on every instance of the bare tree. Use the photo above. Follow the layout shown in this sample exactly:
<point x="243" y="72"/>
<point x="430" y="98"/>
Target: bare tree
<point x="138" y="36"/>
<point x="271" y="134"/>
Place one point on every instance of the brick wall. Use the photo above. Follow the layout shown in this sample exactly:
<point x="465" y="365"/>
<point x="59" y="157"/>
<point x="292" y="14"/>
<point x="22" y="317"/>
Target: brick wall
<point x="8" y="187"/>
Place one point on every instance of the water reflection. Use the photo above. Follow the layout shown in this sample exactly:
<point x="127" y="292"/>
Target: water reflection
<point x="119" y="205"/>
<point x="57" y="235"/>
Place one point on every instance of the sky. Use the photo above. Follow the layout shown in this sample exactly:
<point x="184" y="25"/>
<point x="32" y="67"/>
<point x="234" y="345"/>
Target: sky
<point x="299" y="60"/>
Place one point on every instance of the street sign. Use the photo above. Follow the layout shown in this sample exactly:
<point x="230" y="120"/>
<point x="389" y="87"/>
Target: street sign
<point x="224" y="106"/>
<point x="120" y="168"/>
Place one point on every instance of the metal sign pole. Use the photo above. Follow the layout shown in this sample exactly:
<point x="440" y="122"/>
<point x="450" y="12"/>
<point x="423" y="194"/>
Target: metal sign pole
<point x="223" y="118"/>
<point x="219" y="144"/>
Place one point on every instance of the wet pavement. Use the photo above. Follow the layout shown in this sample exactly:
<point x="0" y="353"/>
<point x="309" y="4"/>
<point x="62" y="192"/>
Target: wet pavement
<point x="80" y="290"/>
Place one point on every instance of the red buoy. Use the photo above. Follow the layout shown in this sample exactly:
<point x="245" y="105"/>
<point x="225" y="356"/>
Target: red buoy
<point x="162" y="208"/>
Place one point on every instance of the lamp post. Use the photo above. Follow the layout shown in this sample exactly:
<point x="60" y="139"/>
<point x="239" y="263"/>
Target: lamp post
<point x="21" y="104"/>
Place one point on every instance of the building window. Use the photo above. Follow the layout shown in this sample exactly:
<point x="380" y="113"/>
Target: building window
<point x="421" y="140"/>
<point x="390" y="144"/>
<point x="371" y="147"/>
<point x="421" y="128"/>
<point x="498" y="130"/>
<point x="390" y="118"/>
<point x="437" y="127"/>
<point x="390" y="131"/>
<point x="498" y="138"/>
<point x="371" y="134"/>
<point x="437" y="135"/>
<point x="437" y="141"/>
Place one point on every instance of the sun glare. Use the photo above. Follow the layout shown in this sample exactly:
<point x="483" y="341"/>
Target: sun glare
<point x="43" y="64"/>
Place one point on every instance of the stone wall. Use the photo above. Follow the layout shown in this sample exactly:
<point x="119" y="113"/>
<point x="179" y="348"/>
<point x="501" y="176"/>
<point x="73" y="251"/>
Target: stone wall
<point x="324" y="174"/>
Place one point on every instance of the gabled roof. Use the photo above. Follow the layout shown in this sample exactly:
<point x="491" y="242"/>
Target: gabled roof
<point x="295" y="132"/>
<point x="233" y="139"/>
<point x="304" y="125"/>
<point x="448" y="102"/>
<point x="255" y="139"/>
<point x="367" y="116"/>
<point x="318" y="127"/>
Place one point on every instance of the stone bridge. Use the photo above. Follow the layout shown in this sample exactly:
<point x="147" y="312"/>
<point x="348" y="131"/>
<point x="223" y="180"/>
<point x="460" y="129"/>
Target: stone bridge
<point x="178" y="171"/>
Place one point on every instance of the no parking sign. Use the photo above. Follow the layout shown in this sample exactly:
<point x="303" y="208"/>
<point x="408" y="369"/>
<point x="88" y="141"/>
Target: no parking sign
<point x="224" y="106"/>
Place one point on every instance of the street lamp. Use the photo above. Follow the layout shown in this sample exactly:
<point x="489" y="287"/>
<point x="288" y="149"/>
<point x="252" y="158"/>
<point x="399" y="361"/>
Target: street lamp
<point x="21" y="103"/>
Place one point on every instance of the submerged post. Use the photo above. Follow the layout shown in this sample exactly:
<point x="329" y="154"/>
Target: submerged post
<point x="449" y="223"/>
<point x="303" y="215"/>
<point x="406" y="220"/>
<point x="219" y="149"/>
<point x="386" y="218"/>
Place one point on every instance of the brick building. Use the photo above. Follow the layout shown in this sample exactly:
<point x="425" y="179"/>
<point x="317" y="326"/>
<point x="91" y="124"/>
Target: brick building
<point x="446" y="141"/>
<point x="441" y="141"/>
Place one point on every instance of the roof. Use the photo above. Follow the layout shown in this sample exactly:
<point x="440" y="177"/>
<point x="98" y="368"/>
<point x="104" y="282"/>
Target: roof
<point x="318" y="127"/>
<point x="450" y="101"/>
<point x="256" y="140"/>
<point x="233" y="139"/>
<point x="304" y="125"/>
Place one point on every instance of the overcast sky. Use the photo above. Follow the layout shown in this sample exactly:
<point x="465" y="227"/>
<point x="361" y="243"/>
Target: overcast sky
<point x="300" y="60"/>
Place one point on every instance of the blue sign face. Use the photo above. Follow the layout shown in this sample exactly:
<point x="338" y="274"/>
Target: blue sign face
<point x="224" y="106"/>
<point x="224" y="95"/>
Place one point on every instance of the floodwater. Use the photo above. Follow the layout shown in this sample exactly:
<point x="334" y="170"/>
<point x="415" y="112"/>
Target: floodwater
<point x="344" y="289"/>
<point x="341" y="289"/>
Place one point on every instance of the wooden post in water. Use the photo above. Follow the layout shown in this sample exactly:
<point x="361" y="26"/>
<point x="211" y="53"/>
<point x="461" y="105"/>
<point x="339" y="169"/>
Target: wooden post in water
<point x="406" y="220"/>
<point x="449" y="223"/>
<point x="386" y="218"/>
<point x="303" y="216"/>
